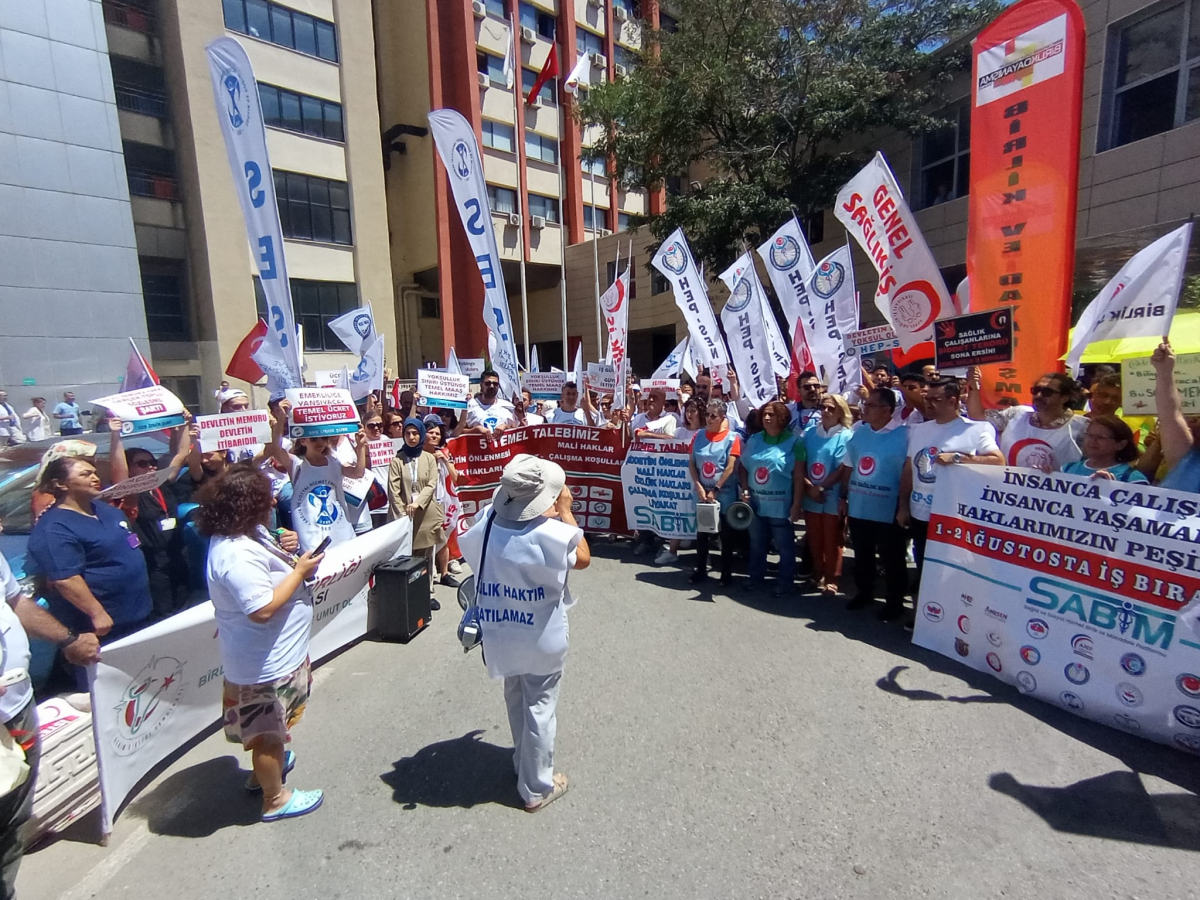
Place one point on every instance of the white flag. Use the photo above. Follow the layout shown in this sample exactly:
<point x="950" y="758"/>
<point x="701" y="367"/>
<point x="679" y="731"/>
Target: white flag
<point x="669" y="367"/>
<point x="534" y="364"/>
<point x="355" y="329"/>
<point x="581" y="75"/>
<point x="789" y="263"/>
<point x="743" y="321"/>
<point x="1140" y="300"/>
<point x="368" y="376"/>
<point x="342" y="379"/>
<point x="460" y="154"/>
<point x="510" y="64"/>
<point x="577" y="371"/>
<point x="615" y="303"/>
<point x="674" y="260"/>
<point x="453" y="366"/>
<point x="269" y="358"/>
<point x="831" y="287"/>
<point x="779" y="350"/>
<point x="911" y="292"/>
<point x="236" y="93"/>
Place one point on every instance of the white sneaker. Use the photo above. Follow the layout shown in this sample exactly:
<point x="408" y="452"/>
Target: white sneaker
<point x="455" y="567"/>
<point x="666" y="558"/>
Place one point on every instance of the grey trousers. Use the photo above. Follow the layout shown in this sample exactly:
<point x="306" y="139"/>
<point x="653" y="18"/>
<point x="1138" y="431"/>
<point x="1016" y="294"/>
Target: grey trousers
<point x="532" y="700"/>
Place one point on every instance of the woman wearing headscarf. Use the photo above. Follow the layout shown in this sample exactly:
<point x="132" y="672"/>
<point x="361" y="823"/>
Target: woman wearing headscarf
<point x="412" y="484"/>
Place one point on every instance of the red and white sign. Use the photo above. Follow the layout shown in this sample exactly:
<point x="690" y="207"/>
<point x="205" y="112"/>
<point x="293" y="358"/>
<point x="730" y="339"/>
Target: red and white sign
<point x="318" y="412"/>
<point x="232" y="431"/>
<point x="382" y="451"/>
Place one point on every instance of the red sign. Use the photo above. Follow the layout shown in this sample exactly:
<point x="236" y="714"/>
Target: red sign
<point x="311" y="415"/>
<point x="591" y="457"/>
<point x="150" y="409"/>
<point x="1027" y="98"/>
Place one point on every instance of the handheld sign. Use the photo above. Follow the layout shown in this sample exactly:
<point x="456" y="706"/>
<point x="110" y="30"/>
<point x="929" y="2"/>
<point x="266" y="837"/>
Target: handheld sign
<point x="138" y="484"/>
<point x="146" y="409"/>
<point x="975" y="339"/>
<point x="1137" y="384"/>
<point x="544" y="385"/>
<point x="441" y="389"/>
<point x="472" y="367"/>
<point x="232" y="431"/>
<point x="601" y="378"/>
<point x="670" y="385"/>
<point x="320" y="412"/>
<point x="382" y="451"/>
<point x="872" y="340"/>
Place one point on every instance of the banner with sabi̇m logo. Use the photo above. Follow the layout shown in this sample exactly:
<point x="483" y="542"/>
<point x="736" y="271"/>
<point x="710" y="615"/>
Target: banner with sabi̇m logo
<point x="742" y="317"/>
<point x="158" y="688"/>
<point x="1071" y="590"/>
<point x="459" y="151"/>
<point x="659" y="494"/>
<point x="674" y="259"/>
<point x="236" y="93"/>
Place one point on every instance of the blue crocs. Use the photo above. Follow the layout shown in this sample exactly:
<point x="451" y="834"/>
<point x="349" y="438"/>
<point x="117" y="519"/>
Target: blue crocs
<point x="289" y="763"/>
<point x="301" y="803"/>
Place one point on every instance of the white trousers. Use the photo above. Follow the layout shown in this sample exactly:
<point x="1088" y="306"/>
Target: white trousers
<point x="532" y="701"/>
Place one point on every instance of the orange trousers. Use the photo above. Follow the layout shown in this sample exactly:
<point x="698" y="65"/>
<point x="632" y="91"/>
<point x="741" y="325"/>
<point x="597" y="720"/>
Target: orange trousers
<point x="825" y="544"/>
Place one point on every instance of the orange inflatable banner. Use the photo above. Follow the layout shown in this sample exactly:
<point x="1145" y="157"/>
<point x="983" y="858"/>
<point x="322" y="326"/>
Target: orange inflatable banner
<point x="1027" y="97"/>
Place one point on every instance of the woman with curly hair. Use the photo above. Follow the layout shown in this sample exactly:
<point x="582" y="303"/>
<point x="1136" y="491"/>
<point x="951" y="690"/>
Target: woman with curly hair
<point x="261" y="596"/>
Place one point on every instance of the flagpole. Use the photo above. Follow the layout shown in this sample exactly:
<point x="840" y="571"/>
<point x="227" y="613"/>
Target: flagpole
<point x="518" y="89"/>
<point x="596" y="254"/>
<point x="562" y="218"/>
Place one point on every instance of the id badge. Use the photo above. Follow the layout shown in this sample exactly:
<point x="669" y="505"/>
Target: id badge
<point x="133" y="540"/>
<point x="167" y="524"/>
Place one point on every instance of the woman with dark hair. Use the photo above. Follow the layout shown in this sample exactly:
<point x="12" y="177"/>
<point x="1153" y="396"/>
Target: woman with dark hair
<point x="445" y="495"/>
<point x="412" y="483"/>
<point x="772" y="486"/>
<point x="263" y="605"/>
<point x="1043" y="436"/>
<point x="1109" y="450"/>
<point x="713" y="467"/>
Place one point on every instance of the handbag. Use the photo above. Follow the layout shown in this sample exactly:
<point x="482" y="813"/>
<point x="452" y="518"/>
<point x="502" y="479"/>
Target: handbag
<point x="470" y="628"/>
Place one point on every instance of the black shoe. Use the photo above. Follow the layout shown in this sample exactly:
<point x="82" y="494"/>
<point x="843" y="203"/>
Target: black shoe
<point x="910" y="621"/>
<point x="726" y="581"/>
<point x="782" y="590"/>
<point x="858" y="602"/>
<point x="698" y="576"/>
<point x="891" y="612"/>
<point x="449" y="581"/>
<point x="434" y="605"/>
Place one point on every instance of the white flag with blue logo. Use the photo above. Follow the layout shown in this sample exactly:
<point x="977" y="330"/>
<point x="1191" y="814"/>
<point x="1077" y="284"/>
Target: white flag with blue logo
<point x="835" y="307"/>
<point x="368" y="375"/>
<point x="669" y="367"/>
<point x="356" y="329"/>
<point x="674" y="259"/>
<point x="743" y="321"/>
<point x="238" y="110"/>
<point x="789" y="263"/>
<point x="460" y="154"/>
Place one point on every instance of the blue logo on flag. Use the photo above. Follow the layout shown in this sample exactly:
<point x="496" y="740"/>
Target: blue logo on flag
<point x="828" y="279"/>
<point x="785" y="252"/>
<point x="461" y="157"/>
<point x="675" y="258"/>
<point x="235" y="91"/>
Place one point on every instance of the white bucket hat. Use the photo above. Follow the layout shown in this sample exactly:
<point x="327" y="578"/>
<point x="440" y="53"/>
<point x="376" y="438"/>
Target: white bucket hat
<point x="529" y="486"/>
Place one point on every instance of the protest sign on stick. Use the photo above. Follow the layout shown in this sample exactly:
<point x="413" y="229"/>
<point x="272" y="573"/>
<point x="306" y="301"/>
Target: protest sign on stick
<point x="144" y="410"/>
<point x="321" y="412"/>
<point x="442" y="389"/>
<point x="232" y="431"/>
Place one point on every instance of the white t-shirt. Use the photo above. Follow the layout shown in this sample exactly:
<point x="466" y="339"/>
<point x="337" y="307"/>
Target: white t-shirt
<point x="666" y="424"/>
<point x="14" y="645"/>
<point x="10" y="422"/>
<point x="38" y="428"/>
<point x="242" y="575"/>
<point x="534" y="419"/>
<point x="905" y="416"/>
<point x="1024" y="444"/>
<point x="684" y="435"/>
<point x="499" y="413"/>
<point x="523" y="595"/>
<point x="561" y="417"/>
<point x="927" y="440"/>
<point x="319" y="503"/>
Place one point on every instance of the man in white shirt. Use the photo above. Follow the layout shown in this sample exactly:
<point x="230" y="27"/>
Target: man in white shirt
<point x="567" y="412"/>
<point x="527" y="410"/>
<point x="655" y="423"/>
<point x="489" y="413"/>
<point x="10" y="422"/>
<point x="912" y="410"/>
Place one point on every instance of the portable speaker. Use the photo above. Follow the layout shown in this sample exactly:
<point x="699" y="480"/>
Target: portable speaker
<point x="708" y="516"/>
<point x="398" y="605"/>
<point x="739" y="515"/>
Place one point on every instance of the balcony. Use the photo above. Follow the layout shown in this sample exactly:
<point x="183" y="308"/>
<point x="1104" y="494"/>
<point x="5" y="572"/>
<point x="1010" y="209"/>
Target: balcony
<point x="143" y="183"/>
<point x="129" y="16"/>
<point x="140" y="100"/>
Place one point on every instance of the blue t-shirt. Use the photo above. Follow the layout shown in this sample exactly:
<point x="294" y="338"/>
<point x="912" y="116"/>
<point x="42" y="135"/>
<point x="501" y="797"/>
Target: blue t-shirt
<point x="711" y="457"/>
<point x="875" y="460"/>
<point x="104" y="551"/>
<point x="824" y="455"/>
<point x="770" y="464"/>
<point x="71" y="411"/>
<point x="1121" y="471"/>
<point x="1186" y="475"/>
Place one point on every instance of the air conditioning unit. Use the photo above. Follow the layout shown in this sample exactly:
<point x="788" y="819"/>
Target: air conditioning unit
<point x="604" y="232"/>
<point x="528" y="35"/>
<point x="514" y="219"/>
<point x="537" y="101"/>
<point x="537" y="221"/>
<point x="478" y="9"/>
<point x="620" y="14"/>
<point x="598" y="4"/>
<point x="484" y="81"/>
<point x="600" y="60"/>
<point x="620" y="70"/>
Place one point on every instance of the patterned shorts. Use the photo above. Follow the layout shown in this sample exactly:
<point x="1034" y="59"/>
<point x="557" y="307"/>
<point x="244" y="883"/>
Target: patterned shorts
<point x="272" y="707"/>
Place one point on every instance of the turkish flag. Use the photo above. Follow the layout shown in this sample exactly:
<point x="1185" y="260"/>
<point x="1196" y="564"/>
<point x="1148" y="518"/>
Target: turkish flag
<point x="549" y="70"/>
<point x="802" y="360"/>
<point x="242" y="366"/>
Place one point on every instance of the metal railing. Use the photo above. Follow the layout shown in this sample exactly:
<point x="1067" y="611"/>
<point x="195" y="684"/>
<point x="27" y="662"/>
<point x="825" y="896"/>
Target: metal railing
<point x="143" y="183"/>
<point x="140" y="100"/>
<point x="128" y="16"/>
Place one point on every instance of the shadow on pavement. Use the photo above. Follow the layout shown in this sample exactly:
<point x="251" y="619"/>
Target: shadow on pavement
<point x="465" y="771"/>
<point x="200" y="800"/>
<point x="1115" y="806"/>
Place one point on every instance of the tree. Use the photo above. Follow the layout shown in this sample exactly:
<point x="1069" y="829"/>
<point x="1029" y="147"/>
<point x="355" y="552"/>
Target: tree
<point x="763" y="96"/>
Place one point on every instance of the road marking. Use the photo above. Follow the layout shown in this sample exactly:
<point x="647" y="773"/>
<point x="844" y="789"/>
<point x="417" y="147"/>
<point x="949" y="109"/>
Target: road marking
<point x="103" y="872"/>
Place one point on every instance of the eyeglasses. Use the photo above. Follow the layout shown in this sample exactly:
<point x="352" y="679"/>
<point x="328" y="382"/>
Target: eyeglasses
<point x="491" y="384"/>
<point x="714" y="416"/>
<point x="145" y="463"/>
<point x="374" y="426"/>
<point x="1040" y="391"/>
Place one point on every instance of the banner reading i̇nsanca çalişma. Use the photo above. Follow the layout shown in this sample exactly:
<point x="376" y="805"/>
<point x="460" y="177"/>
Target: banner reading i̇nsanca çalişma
<point x="1074" y="591"/>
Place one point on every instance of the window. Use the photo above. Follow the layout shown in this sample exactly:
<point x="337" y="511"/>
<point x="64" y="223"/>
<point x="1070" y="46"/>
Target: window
<point x="546" y="94"/>
<point x="673" y="185"/>
<point x="626" y="58"/>
<point x="597" y="167"/>
<point x="282" y="26"/>
<point x="1154" y="73"/>
<point x="594" y="217"/>
<point x="667" y="23"/>
<point x="540" y="147"/>
<point x="587" y="41"/>
<point x="491" y="66"/>
<point x="498" y="136"/>
<point x="622" y="221"/>
<point x="612" y="276"/>
<point x="186" y="388"/>
<point x="301" y="113"/>
<point x="541" y="22"/>
<point x="164" y="299"/>
<point x="546" y="207"/>
<point x="501" y="200"/>
<point x="495" y="9"/>
<point x="313" y="209"/>
<point x="630" y="6"/>
<point x="431" y="307"/>
<point x="316" y="303"/>
<point x="945" y="157"/>
<point x="813" y="226"/>
<point x="658" y="282"/>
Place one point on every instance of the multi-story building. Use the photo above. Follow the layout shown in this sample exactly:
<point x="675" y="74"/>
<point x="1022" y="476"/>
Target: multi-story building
<point x="315" y="64"/>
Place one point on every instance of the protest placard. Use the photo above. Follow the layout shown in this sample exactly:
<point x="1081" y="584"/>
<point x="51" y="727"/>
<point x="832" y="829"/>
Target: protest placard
<point x="670" y="385"/>
<point x="472" y="367"/>
<point x="976" y="339"/>
<point x="232" y="431"/>
<point x="1137" y="382"/>
<point x="442" y="389"/>
<point x="658" y="490"/>
<point x="872" y="340"/>
<point x="138" y="484"/>
<point x="381" y="451"/>
<point x="319" y="412"/>
<point x="544" y="385"/>
<point x="601" y="377"/>
<point x="146" y="409"/>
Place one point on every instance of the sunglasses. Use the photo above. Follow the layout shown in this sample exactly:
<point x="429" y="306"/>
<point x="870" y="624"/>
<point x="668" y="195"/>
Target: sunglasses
<point x="1044" y="391"/>
<point x="810" y="387"/>
<point x="714" y="416"/>
<point x="829" y="409"/>
<point x="393" y="424"/>
<point x="144" y="463"/>
<point x="374" y="426"/>
<point x="491" y="384"/>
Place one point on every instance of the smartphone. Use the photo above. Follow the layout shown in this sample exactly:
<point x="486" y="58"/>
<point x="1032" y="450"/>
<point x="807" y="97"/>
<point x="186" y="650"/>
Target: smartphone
<point x="321" y="547"/>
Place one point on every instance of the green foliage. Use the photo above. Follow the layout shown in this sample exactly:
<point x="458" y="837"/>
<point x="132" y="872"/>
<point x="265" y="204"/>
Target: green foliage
<point x="758" y="100"/>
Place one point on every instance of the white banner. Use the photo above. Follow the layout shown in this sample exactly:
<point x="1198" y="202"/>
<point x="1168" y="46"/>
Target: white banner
<point x="460" y="154"/>
<point x="789" y="263"/>
<point x="544" y="385"/>
<point x="674" y="260"/>
<point x="473" y="367"/>
<point x="442" y="389"/>
<point x="138" y="484"/>
<point x="1071" y="590"/>
<point x="381" y="452"/>
<point x="235" y="91"/>
<point x="659" y="495"/>
<point x="911" y="292"/>
<point x="615" y="303"/>
<point x="871" y="340"/>
<point x="368" y="375"/>
<point x="835" y="305"/>
<point x="1138" y="380"/>
<point x="319" y="412"/>
<point x="146" y="409"/>
<point x="155" y="690"/>
<point x="232" y="431"/>
<point x="742" y="317"/>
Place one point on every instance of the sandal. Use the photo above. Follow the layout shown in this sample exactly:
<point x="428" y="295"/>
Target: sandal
<point x="560" y="788"/>
<point x="289" y="763"/>
<point x="301" y="803"/>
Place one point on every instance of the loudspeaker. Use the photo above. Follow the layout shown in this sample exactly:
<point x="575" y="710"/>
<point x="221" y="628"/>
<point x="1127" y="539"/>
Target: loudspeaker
<point x="739" y="515"/>
<point x="708" y="517"/>
<point x="398" y="605"/>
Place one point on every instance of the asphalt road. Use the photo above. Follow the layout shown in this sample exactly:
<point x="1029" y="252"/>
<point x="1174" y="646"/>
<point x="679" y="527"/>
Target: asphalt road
<point x="718" y="745"/>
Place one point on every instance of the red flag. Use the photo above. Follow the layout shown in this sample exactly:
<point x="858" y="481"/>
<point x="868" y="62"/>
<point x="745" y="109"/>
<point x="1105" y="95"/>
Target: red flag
<point x="138" y="373"/>
<point x="549" y="70"/>
<point x="242" y="365"/>
<point x="396" y="394"/>
<point x="802" y="360"/>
